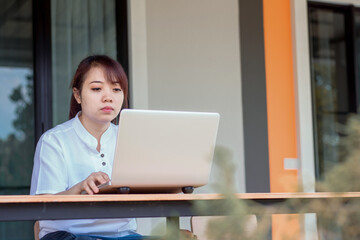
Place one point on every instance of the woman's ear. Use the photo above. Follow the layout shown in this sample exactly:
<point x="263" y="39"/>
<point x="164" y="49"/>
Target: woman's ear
<point x="76" y="94"/>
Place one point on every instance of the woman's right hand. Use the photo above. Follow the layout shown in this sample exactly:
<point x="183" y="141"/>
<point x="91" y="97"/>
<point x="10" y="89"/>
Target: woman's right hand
<point x="89" y="184"/>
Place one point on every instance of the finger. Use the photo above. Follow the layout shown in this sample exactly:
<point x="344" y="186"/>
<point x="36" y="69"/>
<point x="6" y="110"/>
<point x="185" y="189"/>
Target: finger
<point x="93" y="186"/>
<point x="97" y="180"/>
<point x="102" y="179"/>
<point x="104" y="176"/>
<point x="88" y="190"/>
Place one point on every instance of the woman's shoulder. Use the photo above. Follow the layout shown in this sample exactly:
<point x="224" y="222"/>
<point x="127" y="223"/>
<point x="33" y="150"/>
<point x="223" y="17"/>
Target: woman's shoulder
<point x="59" y="130"/>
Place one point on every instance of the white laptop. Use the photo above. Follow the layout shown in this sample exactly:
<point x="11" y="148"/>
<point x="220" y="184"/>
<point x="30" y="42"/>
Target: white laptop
<point x="163" y="151"/>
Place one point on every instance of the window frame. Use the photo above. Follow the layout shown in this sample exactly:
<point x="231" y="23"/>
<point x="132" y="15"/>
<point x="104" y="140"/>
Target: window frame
<point x="42" y="58"/>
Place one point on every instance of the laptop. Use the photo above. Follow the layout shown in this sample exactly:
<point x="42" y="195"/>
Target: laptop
<point x="162" y="151"/>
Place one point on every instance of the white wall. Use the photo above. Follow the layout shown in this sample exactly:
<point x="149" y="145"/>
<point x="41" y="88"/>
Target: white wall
<point x="185" y="55"/>
<point x="304" y="118"/>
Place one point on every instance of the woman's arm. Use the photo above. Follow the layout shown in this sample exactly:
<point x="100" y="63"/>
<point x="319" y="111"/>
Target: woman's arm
<point x="89" y="184"/>
<point x="50" y="172"/>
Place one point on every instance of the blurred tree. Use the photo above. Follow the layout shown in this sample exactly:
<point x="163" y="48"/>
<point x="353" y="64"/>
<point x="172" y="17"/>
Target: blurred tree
<point x="16" y="158"/>
<point x="17" y="150"/>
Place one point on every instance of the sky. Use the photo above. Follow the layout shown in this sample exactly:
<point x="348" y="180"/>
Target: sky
<point x="10" y="78"/>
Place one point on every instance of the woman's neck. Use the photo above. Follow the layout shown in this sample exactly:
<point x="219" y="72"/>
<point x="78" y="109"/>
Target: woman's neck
<point x="95" y="129"/>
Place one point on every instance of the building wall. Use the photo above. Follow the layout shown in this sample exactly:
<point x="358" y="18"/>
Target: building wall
<point x="194" y="65"/>
<point x="280" y="94"/>
<point x="281" y="109"/>
<point x="185" y="55"/>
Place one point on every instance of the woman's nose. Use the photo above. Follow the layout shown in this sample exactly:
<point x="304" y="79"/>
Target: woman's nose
<point x="107" y="99"/>
<point x="107" y="96"/>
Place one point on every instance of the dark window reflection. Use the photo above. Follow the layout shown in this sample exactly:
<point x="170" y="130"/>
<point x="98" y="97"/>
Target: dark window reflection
<point x="16" y="107"/>
<point x="333" y="92"/>
<point x="17" y="128"/>
<point x="357" y="48"/>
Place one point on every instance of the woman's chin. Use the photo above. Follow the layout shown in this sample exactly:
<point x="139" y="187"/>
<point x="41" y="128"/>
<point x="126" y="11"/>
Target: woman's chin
<point x="107" y="118"/>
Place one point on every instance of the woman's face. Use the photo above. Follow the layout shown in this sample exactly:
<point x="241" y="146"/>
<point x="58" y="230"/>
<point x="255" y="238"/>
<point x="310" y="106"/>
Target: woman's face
<point x="100" y="100"/>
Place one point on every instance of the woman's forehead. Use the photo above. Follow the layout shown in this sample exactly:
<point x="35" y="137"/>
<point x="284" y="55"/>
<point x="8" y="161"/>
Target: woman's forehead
<point x="95" y="72"/>
<point x="98" y="74"/>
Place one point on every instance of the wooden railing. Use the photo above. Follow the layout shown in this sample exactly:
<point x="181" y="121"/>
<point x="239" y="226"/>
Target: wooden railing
<point x="41" y="207"/>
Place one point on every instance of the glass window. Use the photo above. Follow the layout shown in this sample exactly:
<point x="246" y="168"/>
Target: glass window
<point x="79" y="29"/>
<point x="331" y="82"/>
<point x="17" y="107"/>
<point x="357" y="50"/>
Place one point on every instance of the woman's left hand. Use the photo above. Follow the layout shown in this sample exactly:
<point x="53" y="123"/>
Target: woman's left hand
<point x="90" y="184"/>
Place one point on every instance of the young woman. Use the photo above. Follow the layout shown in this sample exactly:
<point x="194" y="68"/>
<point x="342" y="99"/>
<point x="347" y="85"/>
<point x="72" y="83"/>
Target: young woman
<point x="78" y="155"/>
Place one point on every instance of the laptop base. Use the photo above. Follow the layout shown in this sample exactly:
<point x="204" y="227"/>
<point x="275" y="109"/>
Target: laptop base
<point x="124" y="190"/>
<point x="135" y="190"/>
<point x="187" y="190"/>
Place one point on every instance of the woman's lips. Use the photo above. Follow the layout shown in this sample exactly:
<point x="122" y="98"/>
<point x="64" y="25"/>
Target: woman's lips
<point x="107" y="109"/>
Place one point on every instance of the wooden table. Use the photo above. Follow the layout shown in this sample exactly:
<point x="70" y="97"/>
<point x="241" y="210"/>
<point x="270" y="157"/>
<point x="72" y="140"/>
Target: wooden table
<point x="41" y="207"/>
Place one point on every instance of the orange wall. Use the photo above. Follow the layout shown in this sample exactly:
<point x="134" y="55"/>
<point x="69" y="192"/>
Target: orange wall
<point x="281" y="108"/>
<point x="280" y="93"/>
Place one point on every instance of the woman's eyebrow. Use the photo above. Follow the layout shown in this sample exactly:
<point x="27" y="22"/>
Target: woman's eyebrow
<point x="96" y="82"/>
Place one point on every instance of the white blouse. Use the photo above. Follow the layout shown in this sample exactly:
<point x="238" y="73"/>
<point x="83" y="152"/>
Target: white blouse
<point x="66" y="155"/>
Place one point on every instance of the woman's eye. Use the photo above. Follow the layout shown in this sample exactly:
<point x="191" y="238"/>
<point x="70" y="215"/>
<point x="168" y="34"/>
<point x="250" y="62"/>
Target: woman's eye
<point x="117" y="89"/>
<point x="96" y="89"/>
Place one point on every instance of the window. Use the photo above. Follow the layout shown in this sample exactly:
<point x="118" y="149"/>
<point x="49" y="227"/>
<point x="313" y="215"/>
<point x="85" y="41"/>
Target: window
<point x="17" y="107"/>
<point x="77" y="34"/>
<point x="334" y="48"/>
<point x="65" y="32"/>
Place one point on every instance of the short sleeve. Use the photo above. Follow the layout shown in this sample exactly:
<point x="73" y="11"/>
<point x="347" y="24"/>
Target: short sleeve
<point x="49" y="172"/>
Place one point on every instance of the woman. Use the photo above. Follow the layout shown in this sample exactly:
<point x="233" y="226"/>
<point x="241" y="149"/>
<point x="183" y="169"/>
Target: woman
<point x="78" y="155"/>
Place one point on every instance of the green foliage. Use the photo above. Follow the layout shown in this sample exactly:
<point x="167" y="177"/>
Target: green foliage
<point x="237" y="224"/>
<point x="345" y="175"/>
<point x="336" y="218"/>
<point x="343" y="217"/>
<point x="16" y="158"/>
<point x="17" y="150"/>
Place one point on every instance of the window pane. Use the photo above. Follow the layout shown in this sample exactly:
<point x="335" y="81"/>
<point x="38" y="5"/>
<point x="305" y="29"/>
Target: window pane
<point x="357" y="49"/>
<point x="17" y="131"/>
<point x="16" y="107"/>
<point x="330" y="87"/>
<point x="16" y="97"/>
<point x="76" y="34"/>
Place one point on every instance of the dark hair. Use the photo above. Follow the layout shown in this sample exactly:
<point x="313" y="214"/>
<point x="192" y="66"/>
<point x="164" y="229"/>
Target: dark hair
<point x="113" y="72"/>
